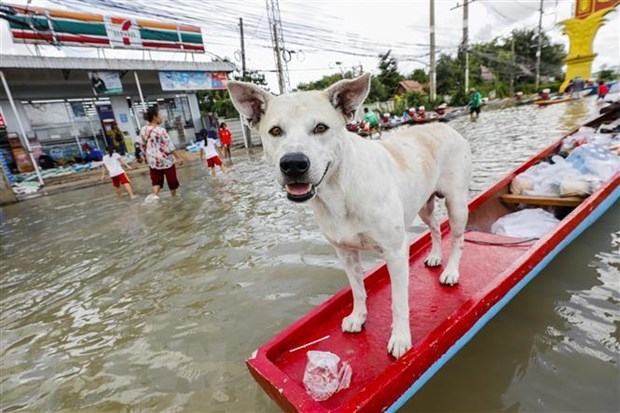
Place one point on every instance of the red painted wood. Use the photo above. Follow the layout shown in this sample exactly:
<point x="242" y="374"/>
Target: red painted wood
<point x="439" y="315"/>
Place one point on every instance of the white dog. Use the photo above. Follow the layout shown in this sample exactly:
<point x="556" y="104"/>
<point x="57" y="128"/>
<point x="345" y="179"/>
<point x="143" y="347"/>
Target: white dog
<point x="363" y="193"/>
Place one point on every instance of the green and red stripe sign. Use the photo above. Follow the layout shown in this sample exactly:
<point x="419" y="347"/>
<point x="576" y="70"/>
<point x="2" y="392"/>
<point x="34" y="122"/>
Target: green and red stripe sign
<point x="45" y="26"/>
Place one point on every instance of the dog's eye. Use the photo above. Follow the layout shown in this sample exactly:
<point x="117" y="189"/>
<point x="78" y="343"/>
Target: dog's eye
<point x="275" y="131"/>
<point x="321" y="128"/>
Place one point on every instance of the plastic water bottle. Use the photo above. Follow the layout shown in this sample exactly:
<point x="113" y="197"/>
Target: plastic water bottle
<point x="578" y="159"/>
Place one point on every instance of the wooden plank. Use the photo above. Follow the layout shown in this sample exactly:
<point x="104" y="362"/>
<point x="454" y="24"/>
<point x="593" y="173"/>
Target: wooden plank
<point x="569" y="201"/>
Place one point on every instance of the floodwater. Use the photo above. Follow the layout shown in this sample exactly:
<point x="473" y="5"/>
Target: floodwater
<point x="119" y="306"/>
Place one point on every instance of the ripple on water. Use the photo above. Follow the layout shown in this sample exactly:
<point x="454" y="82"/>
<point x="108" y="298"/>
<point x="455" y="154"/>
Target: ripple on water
<point x="115" y="305"/>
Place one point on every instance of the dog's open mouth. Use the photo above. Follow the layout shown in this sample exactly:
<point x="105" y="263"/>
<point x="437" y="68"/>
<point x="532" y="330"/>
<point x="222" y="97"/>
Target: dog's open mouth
<point x="303" y="191"/>
<point x="299" y="192"/>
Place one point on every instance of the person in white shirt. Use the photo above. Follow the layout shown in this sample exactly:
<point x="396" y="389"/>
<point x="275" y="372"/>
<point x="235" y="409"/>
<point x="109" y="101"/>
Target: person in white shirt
<point x="113" y="163"/>
<point x="209" y="152"/>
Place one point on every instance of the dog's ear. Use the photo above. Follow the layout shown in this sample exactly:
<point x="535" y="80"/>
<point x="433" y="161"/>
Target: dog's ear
<point x="348" y="95"/>
<point x="249" y="100"/>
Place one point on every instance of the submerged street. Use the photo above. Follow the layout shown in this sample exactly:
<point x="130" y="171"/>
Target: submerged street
<point x="122" y="305"/>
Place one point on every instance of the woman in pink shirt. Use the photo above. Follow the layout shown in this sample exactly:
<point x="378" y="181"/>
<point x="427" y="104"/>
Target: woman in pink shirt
<point x="160" y="153"/>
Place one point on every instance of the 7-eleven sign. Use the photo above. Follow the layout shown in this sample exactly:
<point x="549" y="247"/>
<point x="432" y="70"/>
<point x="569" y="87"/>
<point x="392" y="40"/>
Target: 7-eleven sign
<point x="123" y="33"/>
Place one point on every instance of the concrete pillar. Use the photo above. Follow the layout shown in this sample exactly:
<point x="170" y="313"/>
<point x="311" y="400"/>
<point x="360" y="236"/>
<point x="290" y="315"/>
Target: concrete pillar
<point x="123" y="116"/>
<point x="195" y="111"/>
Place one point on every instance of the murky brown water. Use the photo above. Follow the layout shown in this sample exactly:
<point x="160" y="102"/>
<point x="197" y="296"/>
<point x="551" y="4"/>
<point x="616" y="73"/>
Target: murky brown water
<point x="123" y="306"/>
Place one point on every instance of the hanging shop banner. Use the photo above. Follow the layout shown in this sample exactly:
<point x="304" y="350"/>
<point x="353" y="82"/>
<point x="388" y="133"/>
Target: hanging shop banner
<point x="66" y="28"/>
<point x="584" y="8"/>
<point x="192" y="80"/>
<point x="106" y="83"/>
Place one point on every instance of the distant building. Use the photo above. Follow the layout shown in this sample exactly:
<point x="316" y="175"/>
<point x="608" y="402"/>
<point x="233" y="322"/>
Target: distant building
<point x="407" y="86"/>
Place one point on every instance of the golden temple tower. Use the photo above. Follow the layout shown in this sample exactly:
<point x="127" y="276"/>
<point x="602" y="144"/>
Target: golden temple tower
<point x="589" y="17"/>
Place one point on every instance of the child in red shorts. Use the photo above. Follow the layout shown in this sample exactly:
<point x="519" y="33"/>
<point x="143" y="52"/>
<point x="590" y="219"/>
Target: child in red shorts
<point x="113" y="163"/>
<point x="209" y="152"/>
<point x="226" y="138"/>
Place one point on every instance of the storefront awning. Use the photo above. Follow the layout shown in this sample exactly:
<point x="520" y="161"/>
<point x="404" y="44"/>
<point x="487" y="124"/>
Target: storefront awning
<point x="68" y="63"/>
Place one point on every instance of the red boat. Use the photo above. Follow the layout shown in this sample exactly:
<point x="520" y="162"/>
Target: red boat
<point x="493" y="269"/>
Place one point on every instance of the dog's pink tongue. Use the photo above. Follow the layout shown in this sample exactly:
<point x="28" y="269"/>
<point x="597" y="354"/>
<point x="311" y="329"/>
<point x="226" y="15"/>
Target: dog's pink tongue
<point x="298" y="189"/>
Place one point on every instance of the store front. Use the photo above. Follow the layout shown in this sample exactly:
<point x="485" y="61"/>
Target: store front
<point x="60" y="112"/>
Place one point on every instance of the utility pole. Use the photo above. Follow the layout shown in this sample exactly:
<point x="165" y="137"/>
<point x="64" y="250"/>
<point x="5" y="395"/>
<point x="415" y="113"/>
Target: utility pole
<point x="466" y="43"/>
<point x="242" y="49"/>
<point x="512" y="67"/>
<point x="247" y="133"/>
<point x="278" y="55"/>
<point x="275" y="25"/>
<point x="433" y="71"/>
<point x="539" y="49"/>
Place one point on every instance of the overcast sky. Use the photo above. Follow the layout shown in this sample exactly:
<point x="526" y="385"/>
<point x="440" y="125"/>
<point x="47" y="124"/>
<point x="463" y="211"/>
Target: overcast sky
<point x="329" y="35"/>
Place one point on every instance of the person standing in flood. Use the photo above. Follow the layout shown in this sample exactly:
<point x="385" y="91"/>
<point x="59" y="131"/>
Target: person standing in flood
<point x="160" y="153"/>
<point x="114" y="163"/>
<point x="209" y="152"/>
<point x="475" y="103"/>
<point x="578" y="85"/>
<point x="226" y="139"/>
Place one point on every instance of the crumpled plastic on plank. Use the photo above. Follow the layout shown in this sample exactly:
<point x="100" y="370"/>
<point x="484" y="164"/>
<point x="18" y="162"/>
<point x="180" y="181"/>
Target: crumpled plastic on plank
<point x="325" y="375"/>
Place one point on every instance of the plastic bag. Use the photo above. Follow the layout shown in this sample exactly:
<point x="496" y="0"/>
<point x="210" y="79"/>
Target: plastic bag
<point x="581" y="137"/>
<point x="545" y="179"/>
<point x="324" y="375"/>
<point x="597" y="160"/>
<point x="527" y="223"/>
<point x="527" y="179"/>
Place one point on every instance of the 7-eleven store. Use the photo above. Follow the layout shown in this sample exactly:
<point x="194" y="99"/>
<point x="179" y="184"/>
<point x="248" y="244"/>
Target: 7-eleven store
<point x="50" y="105"/>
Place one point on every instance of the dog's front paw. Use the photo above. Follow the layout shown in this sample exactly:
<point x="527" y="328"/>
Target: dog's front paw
<point x="353" y="323"/>
<point x="433" y="260"/>
<point x="449" y="277"/>
<point x="399" y="344"/>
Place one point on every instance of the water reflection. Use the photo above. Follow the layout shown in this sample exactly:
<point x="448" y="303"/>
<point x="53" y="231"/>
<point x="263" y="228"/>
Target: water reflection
<point x="114" y="305"/>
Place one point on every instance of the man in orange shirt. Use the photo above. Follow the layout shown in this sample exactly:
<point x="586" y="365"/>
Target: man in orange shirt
<point x="226" y="139"/>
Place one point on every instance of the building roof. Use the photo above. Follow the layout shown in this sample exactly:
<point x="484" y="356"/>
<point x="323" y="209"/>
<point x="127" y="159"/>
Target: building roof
<point x="411" y="86"/>
<point x="48" y="62"/>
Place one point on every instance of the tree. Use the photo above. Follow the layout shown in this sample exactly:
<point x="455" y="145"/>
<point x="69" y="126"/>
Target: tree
<point x="606" y="74"/>
<point x="218" y="101"/>
<point x="388" y="77"/>
<point x="419" y="75"/>
<point x="525" y="44"/>
<point x="252" y="76"/>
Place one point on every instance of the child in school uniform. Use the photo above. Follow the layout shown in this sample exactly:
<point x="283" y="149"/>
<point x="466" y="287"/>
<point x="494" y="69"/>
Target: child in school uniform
<point x="209" y="152"/>
<point x="113" y="163"/>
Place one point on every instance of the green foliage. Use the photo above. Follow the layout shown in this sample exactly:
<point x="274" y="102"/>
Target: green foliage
<point x="388" y="77"/>
<point x="218" y="101"/>
<point x="419" y="75"/>
<point x="253" y="76"/>
<point x="607" y="75"/>
<point x="512" y="61"/>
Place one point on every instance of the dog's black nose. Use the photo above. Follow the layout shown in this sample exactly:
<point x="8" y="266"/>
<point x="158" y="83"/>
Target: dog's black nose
<point x="294" y="164"/>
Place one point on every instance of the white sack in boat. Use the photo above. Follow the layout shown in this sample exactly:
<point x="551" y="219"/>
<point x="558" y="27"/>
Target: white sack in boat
<point x="527" y="223"/>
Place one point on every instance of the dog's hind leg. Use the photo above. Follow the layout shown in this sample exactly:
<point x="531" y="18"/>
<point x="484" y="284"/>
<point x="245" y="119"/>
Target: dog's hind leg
<point x="428" y="217"/>
<point x="398" y="266"/>
<point x="350" y="259"/>
<point x="457" y="214"/>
